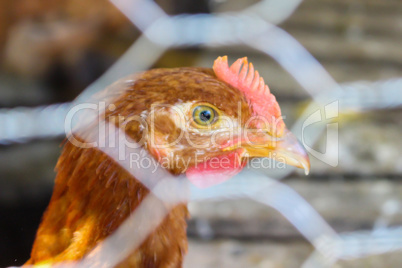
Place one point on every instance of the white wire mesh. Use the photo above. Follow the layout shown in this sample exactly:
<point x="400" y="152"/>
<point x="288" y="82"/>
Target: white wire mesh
<point x="253" y="27"/>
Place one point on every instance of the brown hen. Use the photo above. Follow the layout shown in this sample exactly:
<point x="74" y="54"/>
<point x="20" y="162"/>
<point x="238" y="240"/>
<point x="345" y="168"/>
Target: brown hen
<point x="173" y="114"/>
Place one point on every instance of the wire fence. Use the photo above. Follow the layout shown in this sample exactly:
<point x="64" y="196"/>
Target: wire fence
<point x="254" y="27"/>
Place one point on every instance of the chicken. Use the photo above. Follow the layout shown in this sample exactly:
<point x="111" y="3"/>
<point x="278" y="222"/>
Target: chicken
<point x="224" y="115"/>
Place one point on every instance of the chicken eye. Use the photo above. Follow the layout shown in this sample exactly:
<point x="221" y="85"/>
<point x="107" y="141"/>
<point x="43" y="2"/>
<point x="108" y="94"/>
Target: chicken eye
<point x="204" y="115"/>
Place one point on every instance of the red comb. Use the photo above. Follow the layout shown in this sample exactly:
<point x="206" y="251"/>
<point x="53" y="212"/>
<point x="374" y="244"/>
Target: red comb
<point x="242" y="76"/>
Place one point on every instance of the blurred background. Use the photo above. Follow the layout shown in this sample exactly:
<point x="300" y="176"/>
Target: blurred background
<point x="51" y="50"/>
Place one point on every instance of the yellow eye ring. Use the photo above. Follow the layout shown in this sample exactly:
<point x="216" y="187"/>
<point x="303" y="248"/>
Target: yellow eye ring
<point x="205" y="115"/>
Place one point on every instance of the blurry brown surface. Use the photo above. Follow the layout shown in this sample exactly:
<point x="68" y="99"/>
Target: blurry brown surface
<point x="100" y="11"/>
<point x="63" y="44"/>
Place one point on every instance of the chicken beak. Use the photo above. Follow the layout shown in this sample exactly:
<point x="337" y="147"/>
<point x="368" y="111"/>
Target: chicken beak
<point x="287" y="149"/>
